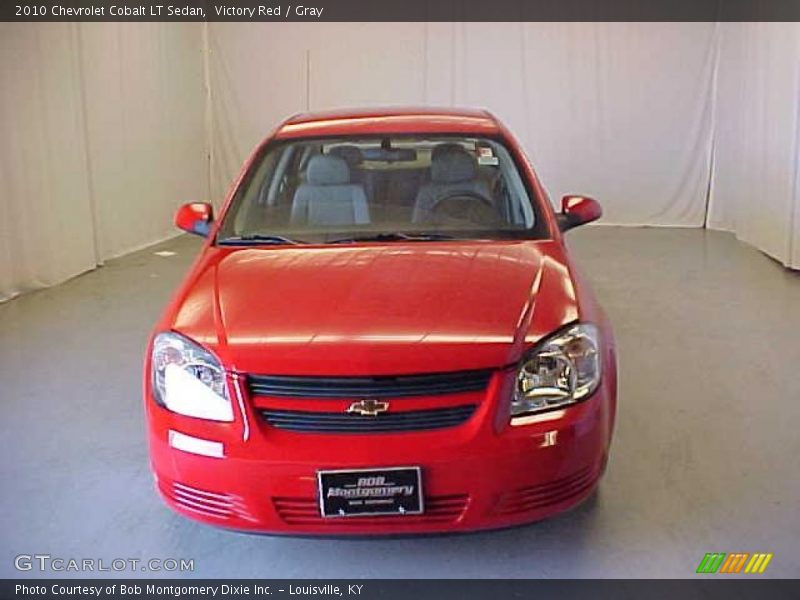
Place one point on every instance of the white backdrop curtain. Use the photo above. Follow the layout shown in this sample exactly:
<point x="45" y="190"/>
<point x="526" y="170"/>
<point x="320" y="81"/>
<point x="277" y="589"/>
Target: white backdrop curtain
<point x="756" y="180"/>
<point x="145" y="106"/>
<point x="46" y="232"/>
<point x="102" y="137"/>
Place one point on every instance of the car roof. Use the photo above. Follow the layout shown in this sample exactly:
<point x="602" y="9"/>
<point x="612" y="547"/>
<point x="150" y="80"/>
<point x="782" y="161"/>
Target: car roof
<point x="405" y="120"/>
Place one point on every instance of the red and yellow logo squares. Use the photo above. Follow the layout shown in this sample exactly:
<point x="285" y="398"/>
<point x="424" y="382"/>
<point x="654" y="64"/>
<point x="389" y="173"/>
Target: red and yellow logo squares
<point x="736" y="562"/>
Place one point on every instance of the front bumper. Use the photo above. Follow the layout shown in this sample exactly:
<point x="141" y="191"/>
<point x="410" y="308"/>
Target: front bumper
<point x="479" y="475"/>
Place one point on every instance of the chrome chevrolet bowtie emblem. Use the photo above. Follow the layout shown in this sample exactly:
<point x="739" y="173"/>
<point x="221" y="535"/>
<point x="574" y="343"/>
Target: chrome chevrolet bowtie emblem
<point x="368" y="408"/>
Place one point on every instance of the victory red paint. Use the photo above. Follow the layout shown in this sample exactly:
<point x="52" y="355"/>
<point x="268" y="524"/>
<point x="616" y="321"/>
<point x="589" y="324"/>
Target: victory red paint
<point x="383" y="333"/>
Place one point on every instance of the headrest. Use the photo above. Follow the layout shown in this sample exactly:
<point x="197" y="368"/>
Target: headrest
<point x="444" y="148"/>
<point x="351" y="154"/>
<point x="328" y="170"/>
<point x="452" y="164"/>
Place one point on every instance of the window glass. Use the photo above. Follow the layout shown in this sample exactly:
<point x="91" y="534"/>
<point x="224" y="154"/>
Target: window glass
<point x="322" y="190"/>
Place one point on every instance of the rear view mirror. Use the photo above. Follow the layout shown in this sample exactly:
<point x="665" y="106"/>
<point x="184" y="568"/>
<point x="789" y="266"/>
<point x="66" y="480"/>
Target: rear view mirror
<point x="390" y="154"/>
<point x="577" y="210"/>
<point x="195" y="217"/>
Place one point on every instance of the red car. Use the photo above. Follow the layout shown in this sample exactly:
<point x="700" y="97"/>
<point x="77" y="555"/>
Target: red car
<point x="384" y="333"/>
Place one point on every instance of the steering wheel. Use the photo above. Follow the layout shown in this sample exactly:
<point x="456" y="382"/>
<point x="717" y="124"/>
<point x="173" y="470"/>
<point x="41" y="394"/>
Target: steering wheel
<point x="465" y="206"/>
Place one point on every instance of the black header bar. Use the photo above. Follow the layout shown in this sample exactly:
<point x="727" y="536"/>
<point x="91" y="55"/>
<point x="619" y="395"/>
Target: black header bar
<point x="399" y="10"/>
<point x="701" y="588"/>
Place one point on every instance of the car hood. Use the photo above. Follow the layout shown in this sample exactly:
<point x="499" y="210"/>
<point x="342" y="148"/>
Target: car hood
<point x="376" y="309"/>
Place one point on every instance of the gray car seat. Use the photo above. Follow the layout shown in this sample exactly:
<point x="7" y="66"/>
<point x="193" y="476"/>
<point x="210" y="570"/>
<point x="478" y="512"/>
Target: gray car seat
<point x="354" y="158"/>
<point x="453" y="172"/>
<point x="329" y="198"/>
<point x="351" y="154"/>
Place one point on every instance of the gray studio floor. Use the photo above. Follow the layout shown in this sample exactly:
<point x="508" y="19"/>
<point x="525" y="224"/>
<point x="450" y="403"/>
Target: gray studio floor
<point x="705" y="457"/>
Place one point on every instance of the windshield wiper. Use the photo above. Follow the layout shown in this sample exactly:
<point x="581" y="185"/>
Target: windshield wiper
<point x="258" y="239"/>
<point x="395" y="236"/>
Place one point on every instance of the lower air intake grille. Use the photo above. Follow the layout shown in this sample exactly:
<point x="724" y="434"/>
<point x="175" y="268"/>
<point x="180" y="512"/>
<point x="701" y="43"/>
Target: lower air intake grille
<point x="305" y="511"/>
<point x="209" y="504"/>
<point x="340" y="422"/>
<point x="553" y="492"/>
<point x="279" y="386"/>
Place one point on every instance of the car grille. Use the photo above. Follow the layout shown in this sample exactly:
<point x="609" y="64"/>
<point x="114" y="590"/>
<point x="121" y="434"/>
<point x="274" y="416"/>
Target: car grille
<point x="341" y="422"/>
<point x="305" y="511"/>
<point x="280" y="386"/>
<point x="553" y="492"/>
<point x="209" y="504"/>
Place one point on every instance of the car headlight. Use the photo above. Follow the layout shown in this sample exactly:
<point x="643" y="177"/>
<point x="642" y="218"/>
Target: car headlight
<point x="188" y="379"/>
<point x="558" y="371"/>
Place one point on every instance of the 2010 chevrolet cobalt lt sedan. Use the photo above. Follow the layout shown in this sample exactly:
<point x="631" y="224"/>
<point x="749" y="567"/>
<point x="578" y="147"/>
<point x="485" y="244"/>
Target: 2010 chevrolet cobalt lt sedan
<point x="383" y="333"/>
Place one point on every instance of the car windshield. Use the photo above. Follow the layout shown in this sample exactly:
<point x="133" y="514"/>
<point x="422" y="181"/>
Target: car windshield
<point x="381" y="189"/>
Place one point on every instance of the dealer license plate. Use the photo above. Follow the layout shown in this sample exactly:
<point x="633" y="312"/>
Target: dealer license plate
<point x="391" y="491"/>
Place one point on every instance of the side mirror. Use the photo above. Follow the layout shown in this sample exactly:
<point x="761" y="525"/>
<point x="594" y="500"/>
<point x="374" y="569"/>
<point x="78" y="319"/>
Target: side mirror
<point x="577" y="210"/>
<point x="195" y="217"/>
